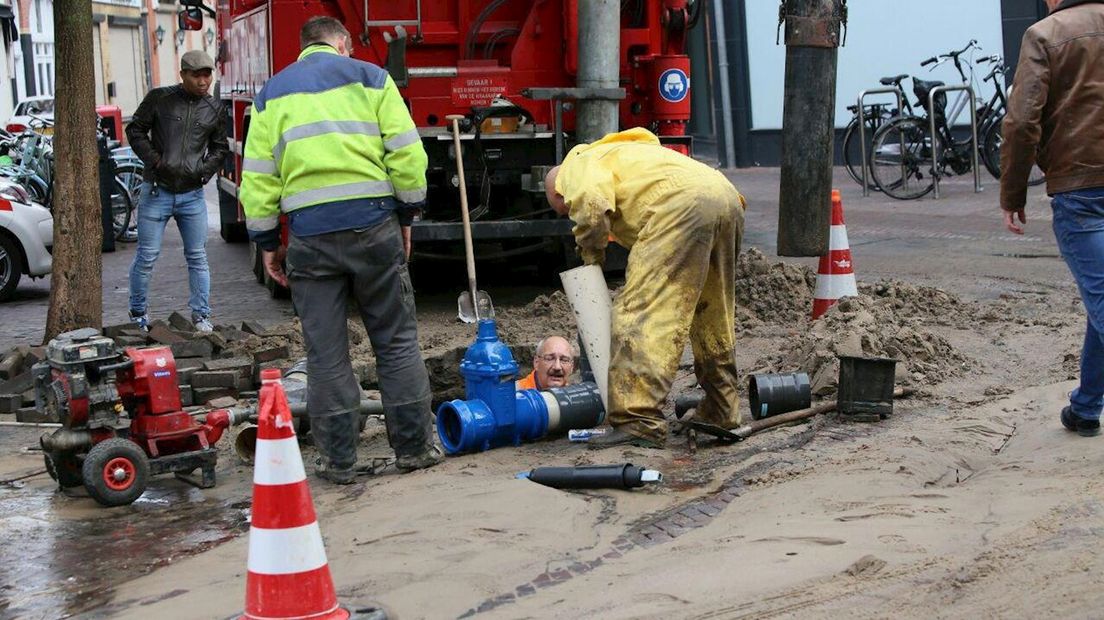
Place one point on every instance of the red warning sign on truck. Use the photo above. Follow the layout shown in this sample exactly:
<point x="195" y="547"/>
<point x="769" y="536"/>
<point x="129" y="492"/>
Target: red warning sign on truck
<point x="477" y="90"/>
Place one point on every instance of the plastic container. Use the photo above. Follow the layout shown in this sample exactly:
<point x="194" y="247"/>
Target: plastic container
<point x="866" y="388"/>
<point x="772" y="394"/>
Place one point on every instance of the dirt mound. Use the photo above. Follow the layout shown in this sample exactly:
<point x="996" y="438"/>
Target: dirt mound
<point x="869" y="327"/>
<point x="931" y="304"/>
<point x="771" y="293"/>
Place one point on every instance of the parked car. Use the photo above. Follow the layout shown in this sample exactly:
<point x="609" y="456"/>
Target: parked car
<point x="42" y="107"/>
<point x="26" y="238"/>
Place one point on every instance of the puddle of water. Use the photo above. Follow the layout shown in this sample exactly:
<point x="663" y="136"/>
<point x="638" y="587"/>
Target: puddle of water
<point x="63" y="555"/>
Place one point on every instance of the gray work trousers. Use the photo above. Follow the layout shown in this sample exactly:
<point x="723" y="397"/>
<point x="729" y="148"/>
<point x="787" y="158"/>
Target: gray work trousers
<point x="369" y="267"/>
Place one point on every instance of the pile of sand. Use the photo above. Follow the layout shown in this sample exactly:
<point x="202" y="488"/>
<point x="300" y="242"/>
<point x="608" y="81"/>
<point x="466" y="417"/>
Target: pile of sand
<point x="771" y="293"/>
<point x="869" y="327"/>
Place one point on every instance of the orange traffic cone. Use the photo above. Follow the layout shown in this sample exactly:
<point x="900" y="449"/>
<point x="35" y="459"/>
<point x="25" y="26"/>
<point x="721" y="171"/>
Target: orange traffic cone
<point x="289" y="576"/>
<point x="836" y="275"/>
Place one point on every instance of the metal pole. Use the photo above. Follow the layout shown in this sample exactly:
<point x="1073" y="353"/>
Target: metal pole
<point x="808" y="126"/>
<point x="862" y="128"/>
<point x="726" y="94"/>
<point x="599" y="66"/>
<point x="936" y="151"/>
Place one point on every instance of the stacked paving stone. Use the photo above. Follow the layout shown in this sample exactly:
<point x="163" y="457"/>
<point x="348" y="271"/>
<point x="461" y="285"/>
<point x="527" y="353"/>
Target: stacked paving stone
<point x="211" y="367"/>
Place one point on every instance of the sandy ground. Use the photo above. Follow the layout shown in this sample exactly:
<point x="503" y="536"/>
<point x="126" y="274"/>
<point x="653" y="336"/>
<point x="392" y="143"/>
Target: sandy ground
<point x="970" y="501"/>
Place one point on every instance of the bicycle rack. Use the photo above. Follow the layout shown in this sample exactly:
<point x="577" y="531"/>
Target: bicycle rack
<point x="862" y="128"/>
<point x="936" y="152"/>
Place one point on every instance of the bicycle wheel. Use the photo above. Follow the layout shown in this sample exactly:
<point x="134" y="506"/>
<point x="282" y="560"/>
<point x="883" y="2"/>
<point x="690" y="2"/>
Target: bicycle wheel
<point x="990" y="153"/>
<point x="122" y="209"/>
<point x="902" y="159"/>
<point x="852" y="156"/>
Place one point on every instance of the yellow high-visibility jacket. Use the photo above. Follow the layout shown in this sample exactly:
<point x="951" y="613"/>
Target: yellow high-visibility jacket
<point x="332" y="144"/>
<point x="612" y="186"/>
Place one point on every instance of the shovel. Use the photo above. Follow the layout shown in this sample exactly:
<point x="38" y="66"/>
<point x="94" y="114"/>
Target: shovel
<point x="473" y="304"/>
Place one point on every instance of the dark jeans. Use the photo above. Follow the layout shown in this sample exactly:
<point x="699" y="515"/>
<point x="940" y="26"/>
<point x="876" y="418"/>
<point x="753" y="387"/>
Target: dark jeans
<point x="1079" y="229"/>
<point x="367" y="266"/>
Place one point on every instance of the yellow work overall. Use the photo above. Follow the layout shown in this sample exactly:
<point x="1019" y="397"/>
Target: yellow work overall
<point x="682" y="222"/>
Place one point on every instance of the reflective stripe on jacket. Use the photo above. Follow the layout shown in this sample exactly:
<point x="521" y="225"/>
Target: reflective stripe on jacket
<point x="333" y="132"/>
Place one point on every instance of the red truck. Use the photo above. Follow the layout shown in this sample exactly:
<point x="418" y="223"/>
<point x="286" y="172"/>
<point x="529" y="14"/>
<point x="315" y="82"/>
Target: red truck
<point x="509" y="66"/>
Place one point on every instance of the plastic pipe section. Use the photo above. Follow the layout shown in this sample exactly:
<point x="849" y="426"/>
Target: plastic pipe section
<point x="590" y="299"/>
<point x="495" y="413"/>
<point x="627" y="476"/>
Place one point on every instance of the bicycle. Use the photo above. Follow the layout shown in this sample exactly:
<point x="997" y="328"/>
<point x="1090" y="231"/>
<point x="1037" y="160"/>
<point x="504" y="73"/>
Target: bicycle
<point x="874" y="115"/>
<point x="989" y="135"/>
<point x="906" y="159"/>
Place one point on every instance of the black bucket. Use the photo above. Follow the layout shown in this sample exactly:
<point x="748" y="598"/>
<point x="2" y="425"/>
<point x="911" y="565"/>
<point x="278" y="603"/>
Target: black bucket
<point x="866" y="388"/>
<point x="770" y="395"/>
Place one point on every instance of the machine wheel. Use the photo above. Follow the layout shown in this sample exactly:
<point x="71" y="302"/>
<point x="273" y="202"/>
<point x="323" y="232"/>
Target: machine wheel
<point x="233" y="232"/>
<point x="64" y="468"/>
<point x="115" y="472"/>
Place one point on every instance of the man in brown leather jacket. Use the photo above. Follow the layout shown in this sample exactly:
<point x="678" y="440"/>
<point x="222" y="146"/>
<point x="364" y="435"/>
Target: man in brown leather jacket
<point x="179" y="133"/>
<point x="1055" y="118"/>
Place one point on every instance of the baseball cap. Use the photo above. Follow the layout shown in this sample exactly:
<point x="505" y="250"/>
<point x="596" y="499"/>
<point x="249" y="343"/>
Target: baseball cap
<point x="196" y="60"/>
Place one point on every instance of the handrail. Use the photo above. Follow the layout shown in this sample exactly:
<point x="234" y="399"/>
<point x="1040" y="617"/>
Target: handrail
<point x="937" y="152"/>
<point x="862" y="127"/>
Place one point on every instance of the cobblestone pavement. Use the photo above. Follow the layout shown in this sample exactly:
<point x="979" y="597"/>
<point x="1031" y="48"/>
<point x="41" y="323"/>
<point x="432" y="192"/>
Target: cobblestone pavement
<point x="956" y="243"/>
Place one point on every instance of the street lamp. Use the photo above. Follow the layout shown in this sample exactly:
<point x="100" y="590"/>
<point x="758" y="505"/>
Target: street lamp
<point x="159" y="34"/>
<point x="209" y="35"/>
<point x="180" y="34"/>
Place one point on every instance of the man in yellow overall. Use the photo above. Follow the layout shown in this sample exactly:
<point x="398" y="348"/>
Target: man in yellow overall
<point x="682" y="222"/>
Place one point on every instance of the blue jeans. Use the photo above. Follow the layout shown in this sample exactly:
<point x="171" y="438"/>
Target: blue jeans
<point x="1079" y="229"/>
<point x="155" y="206"/>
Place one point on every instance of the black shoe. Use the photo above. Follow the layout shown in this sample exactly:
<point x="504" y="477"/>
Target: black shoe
<point x="326" y="471"/>
<point x="1081" y="426"/>
<point x="618" y="437"/>
<point x="427" y="458"/>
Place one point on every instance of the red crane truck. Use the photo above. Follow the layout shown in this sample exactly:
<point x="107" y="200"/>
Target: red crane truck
<point x="509" y="66"/>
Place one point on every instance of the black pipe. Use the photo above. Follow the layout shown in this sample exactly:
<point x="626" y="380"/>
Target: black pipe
<point x="772" y="394"/>
<point x="580" y="406"/>
<point x="627" y="476"/>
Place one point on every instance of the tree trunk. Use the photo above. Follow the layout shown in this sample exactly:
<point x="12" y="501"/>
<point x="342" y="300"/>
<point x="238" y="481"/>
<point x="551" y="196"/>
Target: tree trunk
<point x="76" y="298"/>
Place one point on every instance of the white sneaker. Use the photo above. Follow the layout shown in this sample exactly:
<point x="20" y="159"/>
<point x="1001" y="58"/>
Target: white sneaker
<point x="203" y="324"/>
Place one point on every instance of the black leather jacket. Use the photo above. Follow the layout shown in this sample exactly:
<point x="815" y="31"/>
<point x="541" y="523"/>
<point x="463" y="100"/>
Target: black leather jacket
<point x="180" y="137"/>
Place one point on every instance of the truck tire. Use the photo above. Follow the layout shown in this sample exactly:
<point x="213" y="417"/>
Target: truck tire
<point x="257" y="262"/>
<point x="233" y="232"/>
<point x="115" y="472"/>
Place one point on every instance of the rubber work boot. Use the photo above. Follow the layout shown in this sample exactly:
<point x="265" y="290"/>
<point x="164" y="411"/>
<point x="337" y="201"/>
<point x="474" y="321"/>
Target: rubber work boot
<point x="326" y="471"/>
<point x="618" y="437"/>
<point x="426" y="458"/>
<point x="1079" y="425"/>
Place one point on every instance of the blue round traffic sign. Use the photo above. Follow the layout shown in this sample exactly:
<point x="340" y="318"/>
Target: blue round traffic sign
<point x="674" y="85"/>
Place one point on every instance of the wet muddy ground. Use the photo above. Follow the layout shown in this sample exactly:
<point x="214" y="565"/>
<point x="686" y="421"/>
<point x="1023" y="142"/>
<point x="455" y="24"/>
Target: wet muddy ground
<point x="65" y="556"/>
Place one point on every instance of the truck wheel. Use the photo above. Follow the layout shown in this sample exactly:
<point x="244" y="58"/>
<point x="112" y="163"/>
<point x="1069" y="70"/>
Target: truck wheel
<point x="233" y="232"/>
<point x="276" y="291"/>
<point x="64" y="468"/>
<point x="11" y="267"/>
<point x="115" y="472"/>
<point x="257" y="260"/>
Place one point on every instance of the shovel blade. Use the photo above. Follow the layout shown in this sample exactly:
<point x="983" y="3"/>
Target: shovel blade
<point x="466" y="307"/>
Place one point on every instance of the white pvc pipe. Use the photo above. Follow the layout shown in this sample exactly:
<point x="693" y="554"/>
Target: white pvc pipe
<point x="590" y="299"/>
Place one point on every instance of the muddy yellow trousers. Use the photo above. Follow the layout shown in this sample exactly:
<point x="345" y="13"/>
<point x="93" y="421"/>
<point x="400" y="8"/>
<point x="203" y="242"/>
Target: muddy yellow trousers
<point x="678" y="286"/>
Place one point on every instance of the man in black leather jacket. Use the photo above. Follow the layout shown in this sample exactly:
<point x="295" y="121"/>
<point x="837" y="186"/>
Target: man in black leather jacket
<point x="179" y="133"/>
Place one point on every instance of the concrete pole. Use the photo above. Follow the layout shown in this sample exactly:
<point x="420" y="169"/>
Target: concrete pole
<point x="808" y="127"/>
<point x="599" y="66"/>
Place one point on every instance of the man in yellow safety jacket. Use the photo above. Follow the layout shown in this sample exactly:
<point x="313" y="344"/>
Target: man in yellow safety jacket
<point x="682" y="222"/>
<point x="332" y="145"/>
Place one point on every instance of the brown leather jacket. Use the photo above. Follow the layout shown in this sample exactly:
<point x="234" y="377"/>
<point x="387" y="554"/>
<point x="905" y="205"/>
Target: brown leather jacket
<point x="1055" y="112"/>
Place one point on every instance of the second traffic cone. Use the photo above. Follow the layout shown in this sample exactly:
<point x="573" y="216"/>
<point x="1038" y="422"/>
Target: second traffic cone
<point x="289" y="576"/>
<point x="836" y="274"/>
